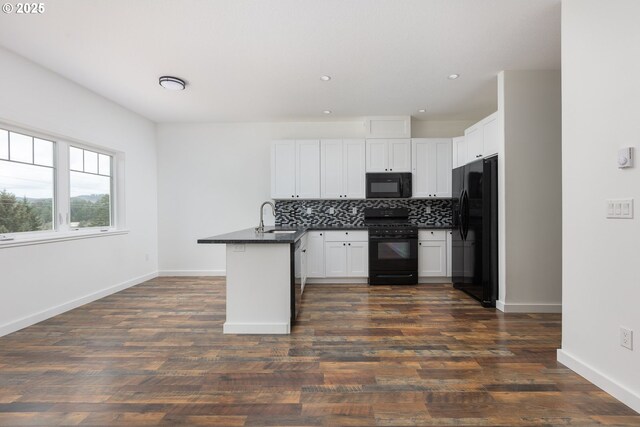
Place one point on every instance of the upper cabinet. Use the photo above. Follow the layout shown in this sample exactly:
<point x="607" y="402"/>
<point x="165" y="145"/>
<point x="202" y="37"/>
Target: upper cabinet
<point x="342" y="168"/>
<point x="388" y="155"/>
<point x="482" y="139"/>
<point x="388" y="127"/>
<point x="295" y="169"/>
<point x="490" y="135"/>
<point x="431" y="167"/>
<point x="459" y="152"/>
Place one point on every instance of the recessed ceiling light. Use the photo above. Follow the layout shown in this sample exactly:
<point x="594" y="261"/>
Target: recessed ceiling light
<point x="422" y="110"/>
<point x="325" y="78"/>
<point x="327" y="111"/>
<point x="453" y="76"/>
<point x="172" y="83"/>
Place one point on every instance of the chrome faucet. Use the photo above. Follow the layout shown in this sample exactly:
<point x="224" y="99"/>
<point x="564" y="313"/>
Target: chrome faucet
<point x="260" y="228"/>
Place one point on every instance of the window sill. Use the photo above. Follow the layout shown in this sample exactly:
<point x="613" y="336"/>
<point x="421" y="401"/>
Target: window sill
<point x="59" y="237"/>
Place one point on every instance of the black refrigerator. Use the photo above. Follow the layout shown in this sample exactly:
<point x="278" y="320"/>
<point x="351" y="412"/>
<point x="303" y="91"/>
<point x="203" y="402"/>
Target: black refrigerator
<point x="474" y="266"/>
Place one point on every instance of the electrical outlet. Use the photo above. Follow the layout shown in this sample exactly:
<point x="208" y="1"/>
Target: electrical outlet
<point x="354" y="211"/>
<point x="428" y="209"/>
<point x="309" y="210"/>
<point x="332" y="211"/>
<point x="626" y="338"/>
<point x="238" y="248"/>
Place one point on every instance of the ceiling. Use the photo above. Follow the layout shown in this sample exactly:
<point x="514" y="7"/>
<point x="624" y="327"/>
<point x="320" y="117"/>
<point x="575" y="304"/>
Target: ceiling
<point x="261" y="60"/>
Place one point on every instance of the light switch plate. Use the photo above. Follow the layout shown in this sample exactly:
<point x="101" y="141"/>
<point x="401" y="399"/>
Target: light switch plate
<point x="332" y="211"/>
<point x="354" y="211"/>
<point x="309" y="210"/>
<point x="620" y="208"/>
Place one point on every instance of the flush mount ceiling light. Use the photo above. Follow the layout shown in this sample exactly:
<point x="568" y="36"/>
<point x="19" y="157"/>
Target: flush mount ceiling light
<point x="172" y="83"/>
<point x="422" y="110"/>
<point x="453" y="76"/>
<point x="327" y="111"/>
<point x="325" y="78"/>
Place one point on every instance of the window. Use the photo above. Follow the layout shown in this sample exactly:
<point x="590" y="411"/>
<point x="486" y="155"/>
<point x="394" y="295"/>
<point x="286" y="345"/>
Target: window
<point x="90" y="188"/>
<point x="26" y="183"/>
<point x="50" y="188"/>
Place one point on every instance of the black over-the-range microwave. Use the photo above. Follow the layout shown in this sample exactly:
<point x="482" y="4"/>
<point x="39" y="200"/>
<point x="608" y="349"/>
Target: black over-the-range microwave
<point x="388" y="185"/>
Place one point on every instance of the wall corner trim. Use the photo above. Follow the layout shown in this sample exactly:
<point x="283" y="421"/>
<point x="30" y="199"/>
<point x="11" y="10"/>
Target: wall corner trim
<point x="32" y="319"/>
<point x="606" y="383"/>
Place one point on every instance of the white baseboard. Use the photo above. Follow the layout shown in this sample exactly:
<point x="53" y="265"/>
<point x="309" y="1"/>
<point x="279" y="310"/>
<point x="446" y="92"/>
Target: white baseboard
<point x="615" y="389"/>
<point x="337" y="280"/>
<point x="256" y="328"/>
<point x="32" y="319"/>
<point x="528" y="308"/>
<point x="192" y="273"/>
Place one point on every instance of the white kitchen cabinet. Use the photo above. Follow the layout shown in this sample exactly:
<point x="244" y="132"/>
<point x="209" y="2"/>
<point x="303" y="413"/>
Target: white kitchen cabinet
<point x="432" y="258"/>
<point x="331" y="168"/>
<point x="283" y="169"/>
<point x="295" y="169"/>
<point x="490" y="135"/>
<point x="475" y="145"/>
<point x="354" y="168"/>
<point x="335" y="259"/>
<point x="346" y="253"/>
<point x="399" y="155"/>
<point x="377" y="154"/>
<point x="304" y="265"/>
<point x="431" y="167"/>
<point x="357" y="259"/>
<point x="483" y="138"/>
<point x="388" y="155"/>
<point x="315" y="254"/>
<point x="342" y="168"/>
<point x="459" y="151"/>
<point x="388" y="126"/>
<point x="308" y="169"/>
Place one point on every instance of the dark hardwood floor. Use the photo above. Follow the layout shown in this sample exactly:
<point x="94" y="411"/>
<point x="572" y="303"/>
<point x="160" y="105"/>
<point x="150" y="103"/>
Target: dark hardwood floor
<point x="405" y="355"/>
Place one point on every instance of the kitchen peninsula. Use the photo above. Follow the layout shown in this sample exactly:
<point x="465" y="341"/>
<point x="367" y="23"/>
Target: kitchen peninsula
<point x="262" y="294"/>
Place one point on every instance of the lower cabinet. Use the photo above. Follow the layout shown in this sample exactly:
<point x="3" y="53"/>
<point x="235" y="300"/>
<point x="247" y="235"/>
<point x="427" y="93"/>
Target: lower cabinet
<point x="432" y="259"/>
<point x="433" y="253"/>
<point x="315" y="254"/>
<point x="346" y="259"/>
<point x="335" y="259"/>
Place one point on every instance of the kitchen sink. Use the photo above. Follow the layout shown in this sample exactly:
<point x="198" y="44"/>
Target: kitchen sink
<point x="281" y="231"/>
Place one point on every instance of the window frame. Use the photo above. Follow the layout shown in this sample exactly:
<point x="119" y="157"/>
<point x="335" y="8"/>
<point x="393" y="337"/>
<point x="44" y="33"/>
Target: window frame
<point x="62" y="229"/>
<point x="111" y="177"/>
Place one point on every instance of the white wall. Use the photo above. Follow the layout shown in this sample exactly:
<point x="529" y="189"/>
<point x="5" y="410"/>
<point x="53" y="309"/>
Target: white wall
<point x="439" y="129"/>
<point x="42" y="280"/>
<point x="601" y="270"/>
<point x="213" y="178"/>
<point x="530" y="196"/>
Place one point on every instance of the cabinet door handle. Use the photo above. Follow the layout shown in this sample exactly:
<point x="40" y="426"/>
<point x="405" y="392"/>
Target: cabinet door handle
<point x="321" y="234"/>
<point x="344" y="244"/>
<point x="420" y="243"/>
<point x="346" y="232"/>
<point x="385" y="169"/>
<point x="349" y="244"/>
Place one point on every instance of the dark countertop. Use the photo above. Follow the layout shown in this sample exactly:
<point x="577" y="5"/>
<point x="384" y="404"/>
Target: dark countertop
<point x="249" y="235"/>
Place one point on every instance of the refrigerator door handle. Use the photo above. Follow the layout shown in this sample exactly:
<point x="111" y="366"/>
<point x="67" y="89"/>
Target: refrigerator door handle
<point x="459" y="214"/>
<point x="465" y="215"/>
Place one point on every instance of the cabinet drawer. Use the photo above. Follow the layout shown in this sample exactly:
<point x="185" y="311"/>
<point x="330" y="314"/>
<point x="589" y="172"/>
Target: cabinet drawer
<point x="346" y="236"/>
<point x="439" y="235"/>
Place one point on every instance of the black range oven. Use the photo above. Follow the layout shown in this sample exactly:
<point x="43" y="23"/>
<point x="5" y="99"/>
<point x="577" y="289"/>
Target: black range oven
<point x="393" y="247"/>
<point x="388" y="185"/>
